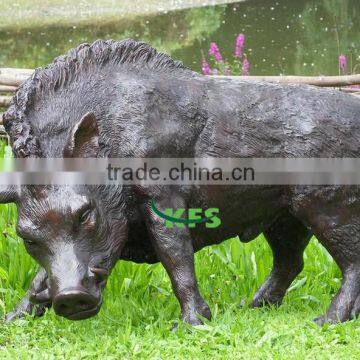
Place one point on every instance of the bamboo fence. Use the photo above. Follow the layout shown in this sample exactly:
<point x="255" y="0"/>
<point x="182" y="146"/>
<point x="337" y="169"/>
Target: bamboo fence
<point x="11" y="79"/>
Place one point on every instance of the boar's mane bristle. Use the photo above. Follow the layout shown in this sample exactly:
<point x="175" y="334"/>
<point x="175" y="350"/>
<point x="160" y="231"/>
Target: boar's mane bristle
<point x="68" y="67"/>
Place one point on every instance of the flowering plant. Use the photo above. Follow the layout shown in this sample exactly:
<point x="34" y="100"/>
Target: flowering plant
<point x="240" y="65"/>
<point x="342" y="64"/>
<point x="343" y="69"/>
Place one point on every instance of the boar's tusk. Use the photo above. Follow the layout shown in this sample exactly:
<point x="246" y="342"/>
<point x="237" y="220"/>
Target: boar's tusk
<point x="101" y="273"/>
<point x="41" y="297"/>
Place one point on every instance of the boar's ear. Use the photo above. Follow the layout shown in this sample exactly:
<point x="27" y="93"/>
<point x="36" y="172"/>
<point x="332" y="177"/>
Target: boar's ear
<point x="8" y="194"/>
<point x="84" y="138"/>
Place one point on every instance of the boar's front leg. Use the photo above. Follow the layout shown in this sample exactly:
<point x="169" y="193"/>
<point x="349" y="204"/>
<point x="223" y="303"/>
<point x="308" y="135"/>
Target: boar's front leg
<point x="174" y="249"/>
<point x="36" y="300"/>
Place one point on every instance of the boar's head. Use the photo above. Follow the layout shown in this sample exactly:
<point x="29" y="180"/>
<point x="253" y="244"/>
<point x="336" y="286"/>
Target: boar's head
<point x="75" y="233"/>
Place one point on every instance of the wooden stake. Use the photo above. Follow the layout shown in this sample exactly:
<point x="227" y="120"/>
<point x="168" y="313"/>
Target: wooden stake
<point x="7" y="89"/>
<point x="351" y="90"/>
<point x="325" y="81"/>
<point x="5" y="101"/>
<point x="14" y="77"/>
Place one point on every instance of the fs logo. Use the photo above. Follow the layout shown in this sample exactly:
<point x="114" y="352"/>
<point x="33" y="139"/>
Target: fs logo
<point x="194" y="216"/>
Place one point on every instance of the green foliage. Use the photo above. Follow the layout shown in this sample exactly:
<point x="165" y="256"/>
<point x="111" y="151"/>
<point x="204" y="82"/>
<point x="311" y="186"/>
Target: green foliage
<point x="330" y="31"/>
<point x="38" y="46"/>
<point x="204" y="21"/>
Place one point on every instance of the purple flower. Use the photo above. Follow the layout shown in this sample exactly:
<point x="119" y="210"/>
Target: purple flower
<point x="342" y="63"/>
<point x="205" y="67"/>
<point x="239" y="45"/>
<point x="214" y="51"/>
<point x="246" y="66"/>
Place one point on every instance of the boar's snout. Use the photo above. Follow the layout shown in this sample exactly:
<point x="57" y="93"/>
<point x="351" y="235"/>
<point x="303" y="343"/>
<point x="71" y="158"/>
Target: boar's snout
<point x="76" y="281"/>
<point x="76" y="303"/>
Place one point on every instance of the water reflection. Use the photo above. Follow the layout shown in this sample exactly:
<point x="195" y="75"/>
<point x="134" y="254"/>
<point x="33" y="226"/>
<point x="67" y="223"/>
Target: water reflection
<point x="289" y="37"/>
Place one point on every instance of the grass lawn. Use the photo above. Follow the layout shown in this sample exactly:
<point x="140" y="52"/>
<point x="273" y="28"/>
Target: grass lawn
<point x="139" y="310"/>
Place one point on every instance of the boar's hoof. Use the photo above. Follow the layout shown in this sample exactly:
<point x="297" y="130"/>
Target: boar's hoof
<point x="270" y="293"/>
<point x="191" y="320"/>
<point x="332" y="317"/>
<point x="204" y="310"/>
<point x="355" y="312"/>
<point x="260" y="301"/>
<point x="13" y="315"/>
<point x="193" y="314"/>
<point x="322" y="320"/>
<point x="26" y="308"/>
<point x="191" y="317"/>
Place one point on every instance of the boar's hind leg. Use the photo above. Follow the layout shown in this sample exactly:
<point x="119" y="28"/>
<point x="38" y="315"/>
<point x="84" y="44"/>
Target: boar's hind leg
<point x="333" y="213"/>
<point x="287" y="238"/>
<point x="36" y="300"/>
<point x="174" y="249"/>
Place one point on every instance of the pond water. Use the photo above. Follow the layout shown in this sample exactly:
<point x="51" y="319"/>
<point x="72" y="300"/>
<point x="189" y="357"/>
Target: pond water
<point x="282" y="37"/>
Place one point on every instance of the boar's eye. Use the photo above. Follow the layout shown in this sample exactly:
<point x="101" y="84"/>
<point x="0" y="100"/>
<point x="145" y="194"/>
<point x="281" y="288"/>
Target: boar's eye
<point x="85" y="216"/>
<point x="29" y="242"/>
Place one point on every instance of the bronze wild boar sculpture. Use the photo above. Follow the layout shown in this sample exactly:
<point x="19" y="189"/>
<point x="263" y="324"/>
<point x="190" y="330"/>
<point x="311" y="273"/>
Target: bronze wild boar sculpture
<point x="124" y="99"/>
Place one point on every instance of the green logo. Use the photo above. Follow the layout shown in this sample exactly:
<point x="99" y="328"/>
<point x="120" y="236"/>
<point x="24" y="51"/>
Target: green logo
<point x="174" y="216"/>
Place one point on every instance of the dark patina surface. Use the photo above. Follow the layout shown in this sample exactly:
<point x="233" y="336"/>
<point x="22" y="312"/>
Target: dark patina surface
<point x="123" y="99"/>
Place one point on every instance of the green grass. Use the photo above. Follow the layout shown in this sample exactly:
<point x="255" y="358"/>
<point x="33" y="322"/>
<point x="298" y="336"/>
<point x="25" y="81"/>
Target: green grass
<point x="140" y="309"/>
